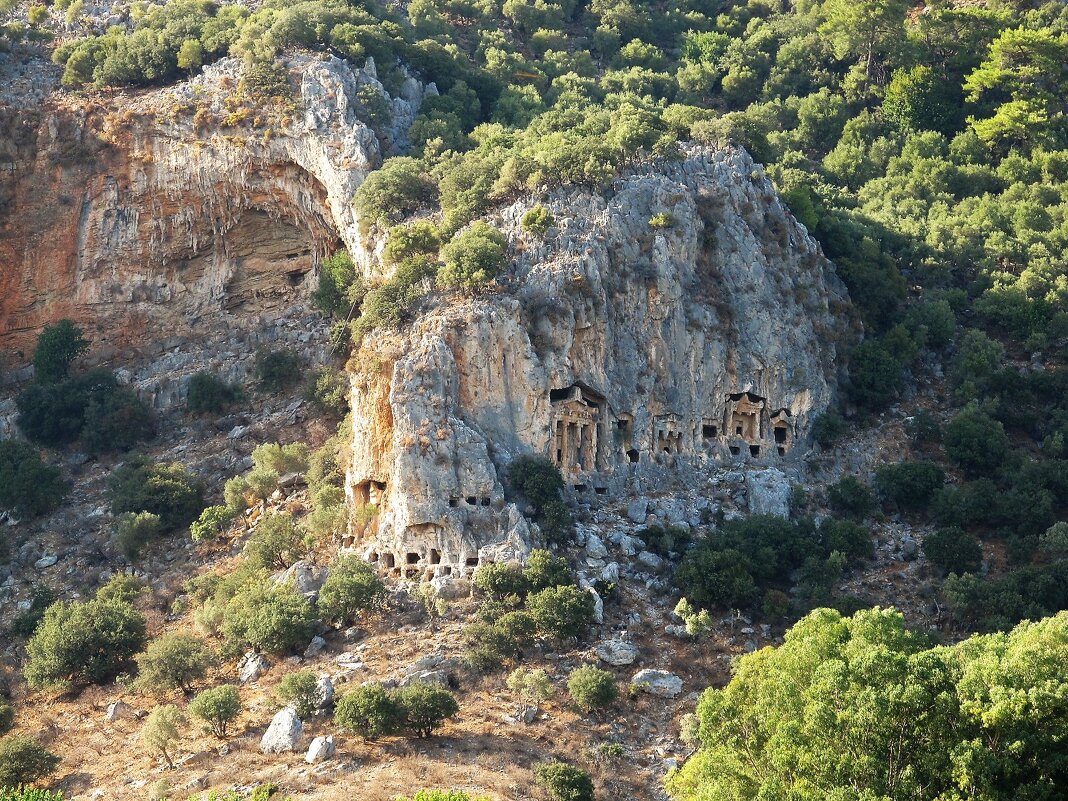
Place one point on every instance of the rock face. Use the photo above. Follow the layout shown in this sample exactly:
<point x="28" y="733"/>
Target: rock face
<point x="172" y="212"/>
<point x="658" y="682"/>
<point x="626" y="353"/>
<point x="283" y="734"/>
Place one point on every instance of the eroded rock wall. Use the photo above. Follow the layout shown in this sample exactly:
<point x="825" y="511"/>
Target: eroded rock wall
<point x="633" y="354"/>
<point x="168" y="214"/>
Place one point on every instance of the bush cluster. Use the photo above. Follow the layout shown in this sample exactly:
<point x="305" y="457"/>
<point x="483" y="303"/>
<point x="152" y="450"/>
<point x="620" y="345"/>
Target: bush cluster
<point x="169" y="491"/>
<point x="539" y="482"/>
<point x="28" y="486"/>
<point x="372" y="712"/>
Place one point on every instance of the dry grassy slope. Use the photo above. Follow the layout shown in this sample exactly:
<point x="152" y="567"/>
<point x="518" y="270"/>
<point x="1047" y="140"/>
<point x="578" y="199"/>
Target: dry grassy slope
<point x="479" y="751"/>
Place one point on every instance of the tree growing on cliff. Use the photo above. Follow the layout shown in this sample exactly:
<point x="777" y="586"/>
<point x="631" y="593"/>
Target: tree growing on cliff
<point x="57" y="348"/>
<point x="28" y="486"/>
<point x="473" y="258"/>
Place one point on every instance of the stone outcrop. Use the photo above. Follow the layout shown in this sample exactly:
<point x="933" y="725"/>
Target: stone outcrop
<point x="170" y="215"/>
<point x="628" y="353"/>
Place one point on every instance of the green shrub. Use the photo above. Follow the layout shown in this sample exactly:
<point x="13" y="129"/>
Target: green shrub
<point x="953" y="550"/>
<point x="397" y="188"/>
<point x="531" y="684"/>
<point x="209" y="393"/>
<point x="439" y="795"/>
<point x="491" y="644"/>
<point x="501" y="579"/>
<point x="168" y="490"/>
<point x="561" y="612"/>
<point x="538" y="220"/>
<point x="276" y="370"/>
<point x="351" y="589"/>
<point x="848" y="538"/>
<point x="336" y="275"/>
<point x="211" y="521"/>
<point x="161" y="730"/>
<point x="368" y="712"/>
<point x="277" y="542"/>
<point x="81" y="643"/>
<point x="473" y="258"/>
<point x="975" y="441"/>
<point x="134" y="530"/>
<point x="415" y="239"/>
<point x="301" y="689"/>
<point x="41" y="597"/>
<point x="909" y="485"/>
<point x="543" y="570"/>
<point x="7" y="717"/>
<point x="29" y="794"/>
<point x="564" y="782"/>
<point x="662" y="221"/>
<point x="665" y="540"/>
<point x="923" y="428"/>
<point x="218" y="707"/>
<point x="115" y="421"/>
<point x="268" y="617"/>
<point x="592" y="688"/>
<point x="539" y="481"/>
<point x="121" y="588"/>
<point x="851" y="497"/>
<point x="173" y="661"/>
<point x="328" y="389"/>
<point x="28" y="486"/>
<point x="424" y="707"/>
<point x="281" y="459"/>
<point x="261" y="482"/>
<point x="57" y="347"/>
<point x="237" y="493"/>
<point x="828" y="428"/>
<point x="23" y="761"/>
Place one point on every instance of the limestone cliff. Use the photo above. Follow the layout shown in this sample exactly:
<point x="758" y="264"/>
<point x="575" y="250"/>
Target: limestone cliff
<point x="632" y="354"/>
<point x="184" y="214"/>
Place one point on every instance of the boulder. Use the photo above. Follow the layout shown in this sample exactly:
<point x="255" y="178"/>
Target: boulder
<point x="251" y="667"/>
<point x="315" y="647"/>
<point x="657" y="682"/>
<point x="321" y="748"/>
<point x="283" y="734"/>
<point x="598" y="606"/>
<point x="527" y="714"/>
<point x="637" y="510"/>
<point x="650" y="561"/>
<point x="616" y="652"/>
<point x="119" y="710"/>
<point x="306" y="578"/>
<point x="595" y="548"/>
<point x="769" y="492"/>
<point x="324" y="692"/>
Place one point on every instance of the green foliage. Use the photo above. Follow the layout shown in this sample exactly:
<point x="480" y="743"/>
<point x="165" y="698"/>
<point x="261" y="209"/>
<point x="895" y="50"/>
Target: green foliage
<point x="443" y="795"/>
<point x="276" y="370"/>
<point x="170" y="491"/>
<point x="399" y="187"/>
<point x="473" y="257"/>
<point x="369" y="712"/>
<point x="963" y="716"/>
<point x="419" y="238"/>
<point x="351" y="589"/>
<point x="28" y="794"/>
<point x="827" y="429"/>
<point x="538" y="220"/>
<point x="561" y="613"/>
<point x="211" y="521"/>
<point x="661" y="221"/>
<point x="301" y="689"/>
<point x="592" y="688"/>
<point x="135" y="530"/>
<point x="424" y="707"/>
<point x="22" y="762"/>
<point x="851" y="497"/>
<point x="209" y="393"/>
<point x="7" y="717"/>
<point x="268" y="617"/>
<point x="173" y="661"/>
<point x="975" y="441"/>
<point x="953" y="550"/>
<point x="1030" y="592"/>
<point x="161" y="731"/>
<point x="543" y="570"/>
<point x="909" y="486"/>
<point x="336" y="275"/>
<point x="28" y="486"/>
<point x="218" y="707"/>
<point x="564" y="782"/>
<point x="501" y="579"/>
<point x="80" y="643"/>
<point x="328" y="389"/>
<point x="530" y="684"/>
<point x="733" y="566"/>
<point x="41" y="597"/>
<point x="91" y="406"/>
<point x="665" y="540"/>
<point x="540" y="483"/>
<point x="277" y="542"/>
<point x="281" y="459"/>
<point x="57" y="347"/>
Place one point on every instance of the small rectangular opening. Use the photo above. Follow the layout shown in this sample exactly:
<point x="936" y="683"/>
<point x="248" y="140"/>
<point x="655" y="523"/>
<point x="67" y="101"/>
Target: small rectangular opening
<point x="413" y="558"/>
<point x="485" y="501"/>
<point x="472" y="500"/>
<point x="632" y="456"/>
<point x="601" y="490"/>
<point x="580" y="487"/>
<point x="454" y="502"/>
<point x="782" y="451"/>
<point x="738" y="430"/>
<point x="471" y="561"/>
<point x="735" y="450"/>
<point x="709" y="432"/>
<point x="754" y="450"/>
<point x="780" y="434"/>
<point x="435" y="556"/>
<point x="447" y="570"/>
